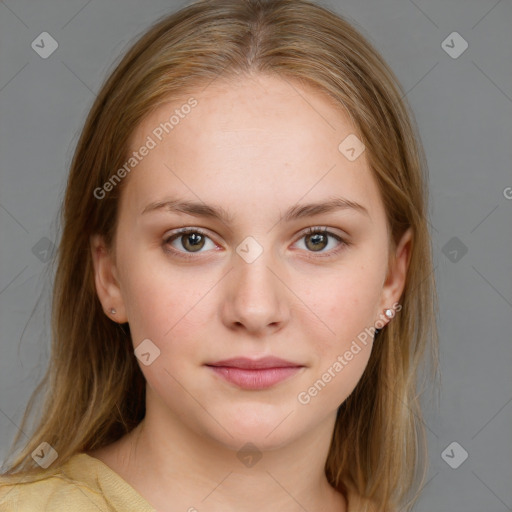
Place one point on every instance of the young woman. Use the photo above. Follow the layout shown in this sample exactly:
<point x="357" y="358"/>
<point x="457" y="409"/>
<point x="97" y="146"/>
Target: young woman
<point x="244" y="294"/>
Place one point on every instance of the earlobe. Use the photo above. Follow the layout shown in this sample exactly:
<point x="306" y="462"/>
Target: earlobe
<point x="106" y="280"/>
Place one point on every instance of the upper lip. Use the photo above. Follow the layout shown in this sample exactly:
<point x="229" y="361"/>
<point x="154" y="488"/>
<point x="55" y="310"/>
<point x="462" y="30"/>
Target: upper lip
<point x="255" y="364"/>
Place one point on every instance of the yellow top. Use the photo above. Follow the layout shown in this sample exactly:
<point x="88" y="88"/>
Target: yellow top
<point x="85" y="484"/>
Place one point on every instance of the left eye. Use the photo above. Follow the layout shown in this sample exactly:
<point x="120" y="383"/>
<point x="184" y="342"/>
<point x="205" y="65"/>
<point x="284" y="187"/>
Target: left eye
<point x="192" y="240"/>
<point x="318" y="238"/>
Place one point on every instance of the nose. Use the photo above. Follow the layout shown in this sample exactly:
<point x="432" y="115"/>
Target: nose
<point x="255" y="298"/>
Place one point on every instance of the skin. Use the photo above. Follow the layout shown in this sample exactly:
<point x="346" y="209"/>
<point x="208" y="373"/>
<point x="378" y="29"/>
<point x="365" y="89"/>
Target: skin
<point x="254" y="146"/>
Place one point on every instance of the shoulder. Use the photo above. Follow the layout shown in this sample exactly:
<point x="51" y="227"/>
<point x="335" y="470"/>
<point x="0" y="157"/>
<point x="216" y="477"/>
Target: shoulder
<point x="54" y="492"/>
<point x="82" y="484"/>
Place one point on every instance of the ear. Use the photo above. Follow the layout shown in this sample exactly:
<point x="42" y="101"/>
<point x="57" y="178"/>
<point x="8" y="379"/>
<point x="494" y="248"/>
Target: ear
<point x="397" y="271"/>
<point x="106" y="280"/>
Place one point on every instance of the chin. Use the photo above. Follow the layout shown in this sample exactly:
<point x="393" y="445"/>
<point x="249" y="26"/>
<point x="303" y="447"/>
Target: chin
<point x="265" y="431"/>
<point x="254" y="440"/>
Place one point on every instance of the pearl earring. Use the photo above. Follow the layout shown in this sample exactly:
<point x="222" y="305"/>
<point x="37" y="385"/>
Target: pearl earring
<point x="113" y="311"/>
<point x="389" y="313"/>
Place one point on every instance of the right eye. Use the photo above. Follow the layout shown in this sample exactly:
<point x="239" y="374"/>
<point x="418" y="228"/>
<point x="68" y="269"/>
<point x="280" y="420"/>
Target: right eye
<point x="192" y="240"/>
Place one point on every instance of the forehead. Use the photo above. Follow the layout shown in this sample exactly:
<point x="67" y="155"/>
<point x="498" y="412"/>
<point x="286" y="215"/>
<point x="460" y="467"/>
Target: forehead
<point x="256" y="141"/>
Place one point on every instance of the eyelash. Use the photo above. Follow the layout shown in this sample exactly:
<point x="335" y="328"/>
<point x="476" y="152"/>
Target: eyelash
<point x="310" y="231"/>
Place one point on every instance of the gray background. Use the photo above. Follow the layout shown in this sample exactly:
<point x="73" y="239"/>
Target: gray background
<point x="463" y="107"/>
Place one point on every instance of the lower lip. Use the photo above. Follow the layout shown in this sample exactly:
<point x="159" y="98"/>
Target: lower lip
<point x="255" y="379"/>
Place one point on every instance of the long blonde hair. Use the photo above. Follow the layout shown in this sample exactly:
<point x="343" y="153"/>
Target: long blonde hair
<point x="94" y="389"/>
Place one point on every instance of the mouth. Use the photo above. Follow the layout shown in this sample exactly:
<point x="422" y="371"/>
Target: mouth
<point x="255" y="374"/>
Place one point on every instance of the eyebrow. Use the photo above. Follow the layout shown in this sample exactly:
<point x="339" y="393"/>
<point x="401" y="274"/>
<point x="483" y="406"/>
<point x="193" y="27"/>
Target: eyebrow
<point x="217" y="212"/>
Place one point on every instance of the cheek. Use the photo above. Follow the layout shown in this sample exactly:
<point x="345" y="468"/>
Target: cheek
<point x="166" y="305"/>
<point x="152" y="298"/>
<point x="346" y="304"/>
<point x="158" y="310"/>
<point x="341" y="353"/>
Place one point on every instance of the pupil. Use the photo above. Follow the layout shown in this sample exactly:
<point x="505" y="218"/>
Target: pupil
<point x="194" y="239"/>
<point x="317" y="238"/>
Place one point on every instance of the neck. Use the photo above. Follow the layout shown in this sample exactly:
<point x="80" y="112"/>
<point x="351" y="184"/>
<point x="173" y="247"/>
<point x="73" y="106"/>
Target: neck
<point x="167" y="463"/>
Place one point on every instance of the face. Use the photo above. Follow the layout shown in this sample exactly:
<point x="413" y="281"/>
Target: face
<point x="267" y="278"/>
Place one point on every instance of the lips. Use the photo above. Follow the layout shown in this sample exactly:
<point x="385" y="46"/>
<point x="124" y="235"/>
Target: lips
<point x="255" y="364"/>
<point x="255" y="374"/>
